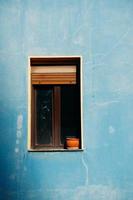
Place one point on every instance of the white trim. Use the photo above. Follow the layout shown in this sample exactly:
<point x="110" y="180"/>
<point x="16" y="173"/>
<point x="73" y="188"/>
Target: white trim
<point x="29" y="105"/>
<point x="29" y="94"/>
<point x="47" y="56"/>
<point x="81" y="98"/>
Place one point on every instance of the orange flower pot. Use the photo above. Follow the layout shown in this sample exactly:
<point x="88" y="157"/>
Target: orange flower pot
<point x="72" y="143"/>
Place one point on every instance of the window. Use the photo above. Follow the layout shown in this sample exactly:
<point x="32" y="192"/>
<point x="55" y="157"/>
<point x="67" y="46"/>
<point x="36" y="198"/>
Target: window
<point x="55" y="102"/>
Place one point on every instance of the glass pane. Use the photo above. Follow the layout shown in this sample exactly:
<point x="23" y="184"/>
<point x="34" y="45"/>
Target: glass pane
<point x="44" y="115"/>
<point x="70" y="112"/>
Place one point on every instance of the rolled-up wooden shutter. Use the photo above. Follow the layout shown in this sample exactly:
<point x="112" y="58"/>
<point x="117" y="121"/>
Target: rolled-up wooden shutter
<point x="53" y="74"/>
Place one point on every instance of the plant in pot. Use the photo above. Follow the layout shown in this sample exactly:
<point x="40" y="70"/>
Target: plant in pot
<point x="72" y="142"/>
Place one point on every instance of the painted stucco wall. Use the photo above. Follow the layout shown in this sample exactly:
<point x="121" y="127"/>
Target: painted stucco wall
<point x="102" y="32"/>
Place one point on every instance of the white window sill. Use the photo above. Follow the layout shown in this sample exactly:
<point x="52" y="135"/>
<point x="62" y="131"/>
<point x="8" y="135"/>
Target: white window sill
<point x="55" y="150"/>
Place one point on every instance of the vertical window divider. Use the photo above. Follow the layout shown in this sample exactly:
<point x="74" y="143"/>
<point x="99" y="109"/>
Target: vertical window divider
<point x="57" y="113"/>
<point x="33" y="118"/>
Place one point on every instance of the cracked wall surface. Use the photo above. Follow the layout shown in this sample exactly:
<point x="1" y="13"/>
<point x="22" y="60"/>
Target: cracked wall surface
<point x="101" y="32"/>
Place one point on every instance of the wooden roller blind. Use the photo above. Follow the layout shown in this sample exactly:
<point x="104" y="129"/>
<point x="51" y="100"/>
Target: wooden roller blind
<point x="53" y="74"/>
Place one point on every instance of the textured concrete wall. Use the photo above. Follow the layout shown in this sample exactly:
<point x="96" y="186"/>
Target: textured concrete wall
<point x="102" y="32"/>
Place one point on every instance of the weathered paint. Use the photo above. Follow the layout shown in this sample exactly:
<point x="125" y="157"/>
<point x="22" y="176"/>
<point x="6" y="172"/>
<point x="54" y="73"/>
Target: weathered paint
<point x="100" y="31"/>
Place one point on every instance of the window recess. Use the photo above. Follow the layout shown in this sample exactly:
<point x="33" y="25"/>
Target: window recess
<point x="55" y="102"/>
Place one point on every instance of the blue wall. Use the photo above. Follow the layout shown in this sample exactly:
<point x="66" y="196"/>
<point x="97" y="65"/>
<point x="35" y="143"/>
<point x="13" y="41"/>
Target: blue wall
<point x="102" y="32"/>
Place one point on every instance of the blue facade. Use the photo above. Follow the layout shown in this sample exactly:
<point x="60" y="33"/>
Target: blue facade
<point x="102" y="32"/>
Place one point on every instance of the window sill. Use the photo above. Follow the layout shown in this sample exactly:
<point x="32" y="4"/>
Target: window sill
<point x="55" y="150"/>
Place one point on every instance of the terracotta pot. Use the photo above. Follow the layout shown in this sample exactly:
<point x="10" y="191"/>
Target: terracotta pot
<point x="72" y="143"/>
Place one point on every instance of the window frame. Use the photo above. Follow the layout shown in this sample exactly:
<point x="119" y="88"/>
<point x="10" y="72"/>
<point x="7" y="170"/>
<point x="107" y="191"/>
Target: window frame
<point x="56" y="146"/>
<point x="56" y="121"/>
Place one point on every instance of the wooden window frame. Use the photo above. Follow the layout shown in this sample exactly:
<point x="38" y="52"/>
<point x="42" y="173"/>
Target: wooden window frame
<point x="56" y="145"/>
<point x="55" y="120"/>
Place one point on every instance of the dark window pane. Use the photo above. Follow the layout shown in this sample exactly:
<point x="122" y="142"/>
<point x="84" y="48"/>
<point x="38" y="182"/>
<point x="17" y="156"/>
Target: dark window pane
<point x="70" y="112"/>
<point x="44" y="115"/>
